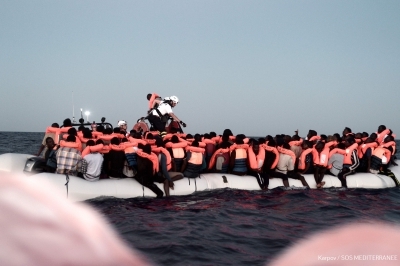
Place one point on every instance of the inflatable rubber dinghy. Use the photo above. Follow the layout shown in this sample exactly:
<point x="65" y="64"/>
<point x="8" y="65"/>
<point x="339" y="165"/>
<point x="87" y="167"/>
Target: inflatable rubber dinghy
<point x="79" y="189"/>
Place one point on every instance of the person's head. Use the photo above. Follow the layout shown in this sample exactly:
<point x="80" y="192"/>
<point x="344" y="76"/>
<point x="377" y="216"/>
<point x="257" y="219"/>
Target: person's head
<point x="279" y="141"/>
<point x="320" y="146"/>
<point x="197" y="137"/>
<point x="90" y="142"/>
<point x="50" y="143"/>
<point x="213" y="134"/>
<point x="349" y="141"/>
<point x="107" y="131"/>
<point x="100" y="128"/>
<point x="261" y="140"/>
<point x="174" y="139"/>
<point x="306" y="144"/>
<point x="269" y="138"/>
<point x="173" y="101"/>
<point x="239" y="141"/>
<point x="341" y="146"/>
<point x="271" y="143"/>
<point x="117" y="130"/>
<point x="115" y="141"/>
<point x="227" y="132"/>
<point x="149" y="136"/>
<point x="287" y="138"/>
<point x="55" y="125"/>
<point x="99" y="141"/>
<point x="81" y="128"/>
<point x="256" y="146"/>
<point x="373" y="136"/>
<point x="72" y="131"/>
<point x="364" y="135"/>
<point x="87" y="133"/>
<point x="195" y="143"/>
<point x="207" y="136"/>
<point x="124" y="140"/>
<point x="338" y="137"/>
<point x="149" y="96"/>
<point x="67" y="123"/>
<point x="122" y="125"/>
<point x="329" y="138"/>
<point x="296" y="137"/>
<point x="346" y="131"/>
<point x="311" y="133"/>
<point x="71" y="138"/>
<point x="189" y="136"/>
<point x="381" y="128"/>
<point x="159" y="142"/>
<point x="388" y="139"/>
<point x="147" y="148"/>
<point x="324" y="137"/>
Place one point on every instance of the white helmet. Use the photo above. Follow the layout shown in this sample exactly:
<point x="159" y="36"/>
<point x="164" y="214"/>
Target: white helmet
<point x="121" y="123"/>
<point x="174" y="99"/>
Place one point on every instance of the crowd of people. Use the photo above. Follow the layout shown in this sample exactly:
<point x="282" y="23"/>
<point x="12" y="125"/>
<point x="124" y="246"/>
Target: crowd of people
<point x="157" y="156"/>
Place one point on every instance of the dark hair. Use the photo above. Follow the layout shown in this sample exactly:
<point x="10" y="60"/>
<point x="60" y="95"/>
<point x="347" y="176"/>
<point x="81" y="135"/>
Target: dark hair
<point x="72" y="131"/>
<point x="261" y="140"/>
<point x="147" y="148"/>
<point x="115" y="141"/>
<point x="55" y="125"/>
<point x="149" y="136"/>
<point x="175" y="139"/>
<point x="99" y="141"/>
<point x="100" y="128"/>
<point x="67" y="122"/>
<point x="341" y="146"/>
<point x="159" y="142"/>
<point x="117" y="130"/>
<point x="87" y="133"/>
<point x="227" y="132"/>
<point x="108" y="131"/>
<point x="149" y="96"/>
<point x="271" y="143"/>
<point x="90" y="142"/>
<point x="49" y="138"/>
<point x="213" y="134"/>
<point x="71" y="138"/>
<point x="195" y="144"/>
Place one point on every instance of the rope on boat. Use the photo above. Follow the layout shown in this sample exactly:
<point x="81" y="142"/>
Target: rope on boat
<point x="66" y="184"/>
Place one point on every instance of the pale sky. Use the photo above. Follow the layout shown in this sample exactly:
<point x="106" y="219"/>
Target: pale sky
<point x="256" y="67"/>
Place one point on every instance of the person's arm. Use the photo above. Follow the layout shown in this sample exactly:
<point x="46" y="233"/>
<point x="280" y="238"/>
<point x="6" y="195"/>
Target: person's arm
<point x="40" y="150"/>
<point x="174" y="117"/>
<point x="164" y="171"/>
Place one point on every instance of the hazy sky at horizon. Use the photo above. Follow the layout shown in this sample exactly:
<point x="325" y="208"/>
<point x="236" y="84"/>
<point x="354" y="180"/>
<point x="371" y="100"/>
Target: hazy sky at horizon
<point x="256" y="67"/>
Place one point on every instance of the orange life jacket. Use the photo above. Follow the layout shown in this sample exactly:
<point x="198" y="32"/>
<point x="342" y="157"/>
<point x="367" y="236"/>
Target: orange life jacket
<point x="349" y="152"/>
<point x="390" y="144"/>
<point x="302" y="159"/>
<point x="159" y="150"/>
<point x="321" y="158"/>
<point x="380" y="152"/>
<point x="152" y="157"/>
<point x="275" y="151"/>
<point x="177" y="149"/>
<point x="288" y="152"/>
<point x="296" y="142"/>
<point x="363" y="148"/>
<point x="315" y="138"/>
<point x="381" y="136"/>
<point x="90" y="149"/>
<point x="216" y="153"/>
<point x="196" y="155"/>
<point x="256" y="161"/>
<point x="152" y="98"/>
<point x="68" y="144"/>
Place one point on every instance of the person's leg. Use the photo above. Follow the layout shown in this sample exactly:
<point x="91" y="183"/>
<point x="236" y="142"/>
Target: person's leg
<point x="282" y="176"/>
<point x="316" y="176"/>
<point x="321" y="175"/>
<point x="295" y="175"/>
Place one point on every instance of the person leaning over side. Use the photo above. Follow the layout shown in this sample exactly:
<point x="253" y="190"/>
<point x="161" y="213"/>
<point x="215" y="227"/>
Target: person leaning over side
<point x="159" y="117"/>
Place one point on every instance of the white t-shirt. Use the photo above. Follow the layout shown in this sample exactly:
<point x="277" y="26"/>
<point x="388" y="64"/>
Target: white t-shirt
<point x="95" y="160"/>
<point x="285" y="163"/>
<point x="164" y="108"/>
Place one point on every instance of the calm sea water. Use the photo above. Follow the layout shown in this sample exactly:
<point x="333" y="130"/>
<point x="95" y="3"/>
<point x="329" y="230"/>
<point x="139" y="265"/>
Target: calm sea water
<point x="228" y="227"/>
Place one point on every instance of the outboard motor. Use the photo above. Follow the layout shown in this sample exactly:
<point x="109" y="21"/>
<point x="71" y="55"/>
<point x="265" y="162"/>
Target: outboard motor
<point x="34" y="165"/>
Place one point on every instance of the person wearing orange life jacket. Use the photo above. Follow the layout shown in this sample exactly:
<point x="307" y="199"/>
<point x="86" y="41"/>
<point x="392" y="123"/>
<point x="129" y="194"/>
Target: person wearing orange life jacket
<point x="147" y="170"/>
<point x="364" y="153"/>
<point x="115" y="160"/>
<point x="68" y="157"/>
<point x="347" y="133"/>
<point x="177" y="150"/>
<point x="336" y="161"/>
<point x="219" y="162"/>
<point x="271" y="160"/>
<point x="238" y="158"/>
<point x="92" y="164"/>
<point x="320" y="159"/>
<point x="286" y="162"/>
<point x="256" y="158"/>
<point x="165" y="165"/>
<point x="160" y="115"/>
<point x="210" y="147"/>
<point x="50" y="132"/>
<point x="154" y="100"/>
<point x="351" y="160"/>
<point x="389" y="143"/>
<point x="195" y="161"/>
<point x="306" y="165"/>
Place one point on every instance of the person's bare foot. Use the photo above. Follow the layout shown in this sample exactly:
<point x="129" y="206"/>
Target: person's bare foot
<point x="322" y="183"/>
<point x="319" y="185"/>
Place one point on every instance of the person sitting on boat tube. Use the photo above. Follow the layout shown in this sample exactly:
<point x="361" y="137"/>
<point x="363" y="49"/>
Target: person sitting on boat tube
<point x="351" y="160"/>
<point x="159" y="116"/>
<point x="68" y="157"/>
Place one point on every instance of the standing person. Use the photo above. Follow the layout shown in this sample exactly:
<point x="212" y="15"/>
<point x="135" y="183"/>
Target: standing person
<point x="159" y="116"/>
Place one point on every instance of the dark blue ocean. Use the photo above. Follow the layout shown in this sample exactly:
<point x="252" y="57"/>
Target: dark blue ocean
<point x="229" y="227"/>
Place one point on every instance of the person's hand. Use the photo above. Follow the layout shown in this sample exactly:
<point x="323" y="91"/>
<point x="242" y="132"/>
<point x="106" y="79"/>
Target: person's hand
<point x="183" y="124"/>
